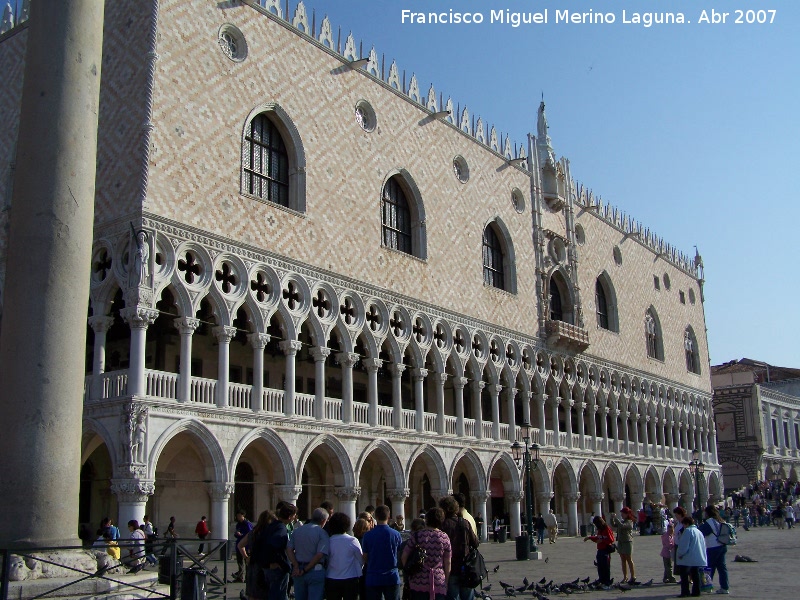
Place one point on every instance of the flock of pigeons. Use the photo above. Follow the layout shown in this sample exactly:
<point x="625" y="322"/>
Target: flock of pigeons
<point x="543" y="588"/>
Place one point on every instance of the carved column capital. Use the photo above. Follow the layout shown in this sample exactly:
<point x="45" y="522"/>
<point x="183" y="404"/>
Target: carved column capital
<point x="288" y="493"/>
<point x="186" y="325"/>
<point x="347" y="359"/>
<point x="219" y="492"/>
<point x="290" y="347"/>
<point x="459" y="382"/>
<point x="347" y="493"/>
<point x="320" y="353"/>
<point x="515" y="496"/>
<point x="396" y="369"/>
<point x="139" y="317"/>
<point x="398" y="494"/>
<point x="259" y="341"/>
<point x="224" y="334"/>
<point x="372" y="364"/>
<point x="419" y="374"/>
<point x="545" y="497"/>
<point x="596" y="497"/>
<point x="574" y="497"/>
<point x="616" y="497"/>
<point x="100" y="324"/>
<point x="133" y="490"/>
<point x="495" y="388"/>
<point x="479" y="384"/>
<point x="440" y="378"/>
<point x="481" y="496"/>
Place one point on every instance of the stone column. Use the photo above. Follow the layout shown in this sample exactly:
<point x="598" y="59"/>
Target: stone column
<point x="651" y="421"/>
<point x="258" y="341"/>
<point x="398" y="497"/>
<point x="397" y="394"/>
<point x="100" y="326"/>
<point x="697" y="443"/>
<point x="372" y="365"/>
<point x="139" y="319"/>
<point x="643" y="420"/>
<point x="625" y="415"/>
<point x="43" y="341"/>
<point x="593" y="408"/>
<point x="526" y="406"/>
<point x="568" y="403"/>
<point x="458" y="393"/>
<point x="604" y="410"/>
<point x="219" y="493"/>
<point x="289" y="349"/>
<point x="540" y="402"/>
<point x="319" y="354"/>
<point x="572" y="513"/>
<point x="637" y="500"/>
<point x="671" y="500"/>
<point x="670" y="440"/>
<point x="597" y="503"/>
<point x="348" y="360"/>
<point x="617" y="499"/>
<point x="543" y="499"/>
<point x="132" y="496"/>
<point x="581" y="425"/>
<point x="714" y="444"/>
<point x="440" y="379"/>
<point x="479" y="505"/>
<point x="635" y="428"/>
<point x="288" y="493"/>
<point x="418" y="377"/>
<point x="515" y="498"/>
<point x="556" y="425"/>
<point x="224" y="336"/>
<point x="494" y="394"/>
<point x="512" y="418"/>
<point x="347" y="501"/>
<point x="615" y="427"/>
<point x="477" y="390"/>
<point x="186" y="326"/>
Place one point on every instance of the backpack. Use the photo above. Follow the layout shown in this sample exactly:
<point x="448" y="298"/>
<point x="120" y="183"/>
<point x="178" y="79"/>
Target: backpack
<point x="726" y="535"/>
<point x="416" y="560"/>
<point x="473" y="570"/>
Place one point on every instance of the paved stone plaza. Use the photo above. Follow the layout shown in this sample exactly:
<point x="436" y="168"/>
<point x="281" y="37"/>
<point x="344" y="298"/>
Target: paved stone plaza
<point x="570" y="558"/>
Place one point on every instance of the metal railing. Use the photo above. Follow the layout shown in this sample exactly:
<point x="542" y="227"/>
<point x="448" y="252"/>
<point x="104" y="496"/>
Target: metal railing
<point x="173" y="549"/>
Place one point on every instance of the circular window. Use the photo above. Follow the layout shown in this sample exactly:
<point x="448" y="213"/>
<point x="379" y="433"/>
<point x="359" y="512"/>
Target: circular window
<point x="461" y="169"/>
<point x="580" y="236"/>
<point x="232" y="42"/>
<point x="667" y="282"/>
<point x="365" y="116"/>
<point x="691" y="296"/>
<point x="617" y="255"/>
<point x="517" y="200"/>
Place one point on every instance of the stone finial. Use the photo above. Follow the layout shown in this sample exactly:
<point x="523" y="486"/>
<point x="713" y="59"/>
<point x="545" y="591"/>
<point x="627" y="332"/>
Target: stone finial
<point x="372" y="65"/>
<point x="480" y="134"/>
<point x="350" y="52"/>
<point x="273" y="6"/>
<point x="325" y="33"/>
<point x="393" y="79"/>
<point x="449" y="108"/>
<point x="300" y="19"/>
<point x="493" y="140"/>
<point x="464" y="125"/>
<point x="8" y="19"/>
<point x="507" y="152"/>
<point x="431" y="104"/>
<point x="413" y="90"/>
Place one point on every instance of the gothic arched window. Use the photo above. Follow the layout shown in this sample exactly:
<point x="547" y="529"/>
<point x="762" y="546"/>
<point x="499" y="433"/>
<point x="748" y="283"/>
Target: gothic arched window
<point x="493" y="259"/>
<point x="690" y="350"/>
<point x="652" y="332"/>
<point x="556" y="306"/>
<point x="266" y="162"/>
<point x="395" y="217"/>
<point x="601" y="305"/>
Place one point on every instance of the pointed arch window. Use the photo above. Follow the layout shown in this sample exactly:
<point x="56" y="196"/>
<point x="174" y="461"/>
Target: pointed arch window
<point x="601" y="305"/>
<point x="690" y="351"/>
<point x="652" y="335"/>
<point x="396" y="217"/>
<point x="493" y="259"/>
<point x="266" y="162"/>
<point x="556" y="306"/>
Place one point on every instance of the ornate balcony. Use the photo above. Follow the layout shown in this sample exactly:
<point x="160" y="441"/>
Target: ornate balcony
<point x="563" y="335"/>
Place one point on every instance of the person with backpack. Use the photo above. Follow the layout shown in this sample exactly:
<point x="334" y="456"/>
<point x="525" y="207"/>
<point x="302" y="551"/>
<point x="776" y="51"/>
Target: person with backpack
<point x="432" y="546"/>
<point x="712" y="529"/>
<point x="380" y="546"/>
<point x="462" y="541"/>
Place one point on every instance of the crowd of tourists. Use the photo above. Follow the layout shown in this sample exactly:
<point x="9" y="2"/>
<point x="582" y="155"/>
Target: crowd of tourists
<point x="765" y="503"/>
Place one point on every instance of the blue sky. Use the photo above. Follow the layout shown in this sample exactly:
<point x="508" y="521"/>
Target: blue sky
<point x="692" y="129"/>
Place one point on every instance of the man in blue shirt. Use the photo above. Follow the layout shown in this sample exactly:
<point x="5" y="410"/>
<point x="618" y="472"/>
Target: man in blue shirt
<point x="243" y="527"/>
<point x="308" y="551"/>
<point x="380" y="557"/>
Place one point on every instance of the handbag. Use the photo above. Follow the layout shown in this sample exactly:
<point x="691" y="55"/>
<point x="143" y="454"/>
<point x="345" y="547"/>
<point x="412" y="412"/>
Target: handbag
<point x="473" y="569"/>
<point x="416" y="560"/>
<point x="611" y="548"/>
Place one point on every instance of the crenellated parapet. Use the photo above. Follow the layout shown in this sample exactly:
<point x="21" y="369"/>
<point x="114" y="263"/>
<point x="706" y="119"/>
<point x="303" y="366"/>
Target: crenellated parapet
<point x="375" y="67"/>
<point x="615" y="217"/>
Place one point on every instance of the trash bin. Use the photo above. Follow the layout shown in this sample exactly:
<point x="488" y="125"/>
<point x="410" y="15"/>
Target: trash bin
<point x="523" y="547"/>
<point x="583" y="530"/>
<point x="502" y="535"/>
<point x="164" y="563"/>
<point x="193" y="584"/>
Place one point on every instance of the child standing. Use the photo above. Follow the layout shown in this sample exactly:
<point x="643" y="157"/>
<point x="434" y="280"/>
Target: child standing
<point x="667" y="547"/>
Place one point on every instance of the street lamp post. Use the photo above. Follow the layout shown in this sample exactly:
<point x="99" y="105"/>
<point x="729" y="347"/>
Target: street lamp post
<point x="528" y="454"/>
<point x="697" y="466"/>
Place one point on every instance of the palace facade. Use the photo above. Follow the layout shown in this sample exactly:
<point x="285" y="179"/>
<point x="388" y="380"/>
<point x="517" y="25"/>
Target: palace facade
<point x="313" y="280"/>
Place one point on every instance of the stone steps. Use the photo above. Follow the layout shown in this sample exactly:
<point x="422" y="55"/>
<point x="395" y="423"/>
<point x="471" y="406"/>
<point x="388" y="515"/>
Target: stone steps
<point x="90" y="588"/>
